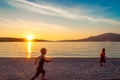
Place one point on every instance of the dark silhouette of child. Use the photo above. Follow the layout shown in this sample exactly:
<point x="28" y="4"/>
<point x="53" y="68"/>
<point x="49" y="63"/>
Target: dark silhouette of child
<point x="40" y="68"/>
<point x="102" y="57"/>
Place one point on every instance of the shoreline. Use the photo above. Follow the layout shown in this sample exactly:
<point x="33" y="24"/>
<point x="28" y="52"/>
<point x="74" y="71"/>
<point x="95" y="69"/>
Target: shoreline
<point x="57" y="58"/>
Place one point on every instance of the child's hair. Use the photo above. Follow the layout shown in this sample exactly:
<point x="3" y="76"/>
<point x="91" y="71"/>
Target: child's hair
<point x="43" y="50"/>
<point x="103" y="49"/>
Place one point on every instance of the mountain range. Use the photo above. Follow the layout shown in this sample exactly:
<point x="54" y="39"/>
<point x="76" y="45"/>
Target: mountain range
<point x="109" y="37"/>
<point x="102" y="37"/>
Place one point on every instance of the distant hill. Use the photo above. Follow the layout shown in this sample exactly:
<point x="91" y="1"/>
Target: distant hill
<point x="102" y="37"/>
<point x="9" y="39"/>
<point x="41" y="40"/>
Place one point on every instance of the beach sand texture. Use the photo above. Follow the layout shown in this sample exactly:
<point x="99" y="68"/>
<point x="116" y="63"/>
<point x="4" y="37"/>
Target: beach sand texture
<point x="61" y="69"/>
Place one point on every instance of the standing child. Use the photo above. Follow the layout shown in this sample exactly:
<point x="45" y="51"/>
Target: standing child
<point x="40" y="67"/>
<point x="102" y="57"/>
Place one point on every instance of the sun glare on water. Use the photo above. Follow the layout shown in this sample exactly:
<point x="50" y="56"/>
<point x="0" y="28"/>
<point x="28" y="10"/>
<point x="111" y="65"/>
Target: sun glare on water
<point x="29" y="38"/>
<point x="29" y="50"/>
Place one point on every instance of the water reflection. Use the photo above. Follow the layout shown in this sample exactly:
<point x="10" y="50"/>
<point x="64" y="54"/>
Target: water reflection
<point x="29" y="49"/>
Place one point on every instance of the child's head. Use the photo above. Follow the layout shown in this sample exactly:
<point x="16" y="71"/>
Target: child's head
<point x="103" y="49"/>
<point x="43" y="51"/>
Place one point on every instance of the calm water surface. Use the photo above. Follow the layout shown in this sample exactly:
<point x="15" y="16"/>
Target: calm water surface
<point x="59" y="49"/>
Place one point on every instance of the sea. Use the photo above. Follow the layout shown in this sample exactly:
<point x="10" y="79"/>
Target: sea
<point x="59" y="49"/>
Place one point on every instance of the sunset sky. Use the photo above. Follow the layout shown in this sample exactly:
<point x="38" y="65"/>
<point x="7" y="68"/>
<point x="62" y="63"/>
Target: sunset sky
<point x="58" y="19"/>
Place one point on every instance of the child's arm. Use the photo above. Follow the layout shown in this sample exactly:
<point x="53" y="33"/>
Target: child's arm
<point x="47" y="59"/>
<point x="36" y="61"/>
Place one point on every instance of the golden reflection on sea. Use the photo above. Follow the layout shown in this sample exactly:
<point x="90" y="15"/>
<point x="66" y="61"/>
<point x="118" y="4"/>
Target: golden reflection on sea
<point x="29" y="49"/>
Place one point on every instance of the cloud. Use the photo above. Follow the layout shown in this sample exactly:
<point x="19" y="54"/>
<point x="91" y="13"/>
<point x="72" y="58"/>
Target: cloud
<point x="58" y="11"/>
<point x="6" y="20"/>
<point x="42" y="26"/>
<point x="34" y="25"/>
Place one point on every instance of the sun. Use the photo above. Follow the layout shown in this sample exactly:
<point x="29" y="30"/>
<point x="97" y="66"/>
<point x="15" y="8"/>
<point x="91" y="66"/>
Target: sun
<point x="29" y="37"/>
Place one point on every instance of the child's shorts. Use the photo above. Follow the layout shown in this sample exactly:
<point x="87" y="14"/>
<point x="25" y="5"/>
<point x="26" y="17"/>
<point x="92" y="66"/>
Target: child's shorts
<point x="102" y="60"/>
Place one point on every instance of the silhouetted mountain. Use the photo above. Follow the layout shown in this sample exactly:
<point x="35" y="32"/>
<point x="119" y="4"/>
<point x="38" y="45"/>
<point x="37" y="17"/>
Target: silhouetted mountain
<point x="102" y="37"/>
<point x="40" y="40"/>
<point x="9" y="39"/>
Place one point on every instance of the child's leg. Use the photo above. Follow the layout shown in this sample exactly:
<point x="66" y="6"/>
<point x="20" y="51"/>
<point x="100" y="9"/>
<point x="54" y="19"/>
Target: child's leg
<point x="36" y="75"/>
<point x="43" y="75"/>
<point x="101" y="64"/>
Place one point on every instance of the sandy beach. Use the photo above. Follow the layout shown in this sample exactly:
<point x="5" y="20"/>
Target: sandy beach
<point x="61" y="69"/>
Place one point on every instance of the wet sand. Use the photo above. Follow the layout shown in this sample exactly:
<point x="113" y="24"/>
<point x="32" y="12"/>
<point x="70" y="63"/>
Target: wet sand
<point x="61" y="69"/>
